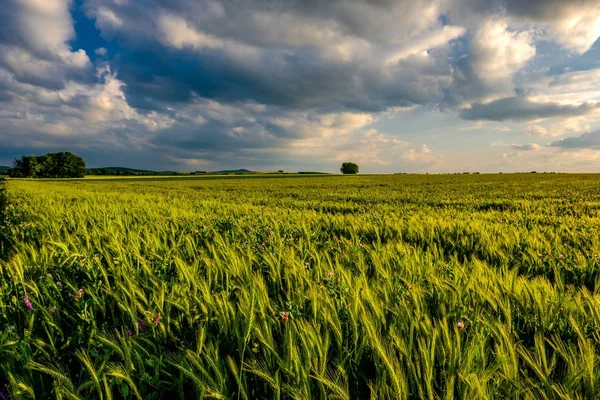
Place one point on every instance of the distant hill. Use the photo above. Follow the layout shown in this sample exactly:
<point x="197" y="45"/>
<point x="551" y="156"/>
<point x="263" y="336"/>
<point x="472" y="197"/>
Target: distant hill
<point x="124" y="169"/>
<point x="4" y="167"/>
<point x="233" y="171"/>
<point x="134" y="171"/>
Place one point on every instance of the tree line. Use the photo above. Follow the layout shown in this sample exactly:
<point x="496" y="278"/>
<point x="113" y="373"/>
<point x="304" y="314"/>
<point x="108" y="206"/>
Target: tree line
<point x="51" y="165"/>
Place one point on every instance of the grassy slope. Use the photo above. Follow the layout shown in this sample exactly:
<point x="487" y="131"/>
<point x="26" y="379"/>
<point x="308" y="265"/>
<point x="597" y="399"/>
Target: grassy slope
<point x="375" y="272"/>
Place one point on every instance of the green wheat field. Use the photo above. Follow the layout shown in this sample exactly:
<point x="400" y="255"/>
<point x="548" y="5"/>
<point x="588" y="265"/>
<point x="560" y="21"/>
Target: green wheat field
<point x="301" y="287"/>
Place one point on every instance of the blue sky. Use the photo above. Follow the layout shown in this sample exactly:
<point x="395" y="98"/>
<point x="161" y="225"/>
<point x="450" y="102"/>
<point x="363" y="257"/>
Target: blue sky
<point x="394" y="85"/>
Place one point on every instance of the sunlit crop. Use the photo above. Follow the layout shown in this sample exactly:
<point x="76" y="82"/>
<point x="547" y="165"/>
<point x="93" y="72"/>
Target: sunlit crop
<point x="387" y="287"/>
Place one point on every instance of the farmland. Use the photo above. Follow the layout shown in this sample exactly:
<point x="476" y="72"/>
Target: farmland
<point x="397" y="286"/>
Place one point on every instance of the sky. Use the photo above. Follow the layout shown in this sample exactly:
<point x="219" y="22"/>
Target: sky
<point x="304" y="85"/>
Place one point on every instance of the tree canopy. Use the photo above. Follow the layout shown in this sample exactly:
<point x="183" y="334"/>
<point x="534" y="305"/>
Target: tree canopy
<point x="349" y="168"/>
<point x="51" y="165"/>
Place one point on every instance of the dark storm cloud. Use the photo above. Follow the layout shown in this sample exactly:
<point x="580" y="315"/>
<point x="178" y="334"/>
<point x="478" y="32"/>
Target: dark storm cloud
<point x="522" y="109"/>
<point x="288" y="67"/>
<point x="589" y="140"/>
<point x="299" y="81"/>
<point x="290" y="81"/>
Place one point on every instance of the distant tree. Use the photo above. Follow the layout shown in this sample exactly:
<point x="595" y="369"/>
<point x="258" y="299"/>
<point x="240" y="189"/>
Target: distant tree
<point x="349" y="168"/>
<point x="26" y="167"/>
<point x="51" y="165"/>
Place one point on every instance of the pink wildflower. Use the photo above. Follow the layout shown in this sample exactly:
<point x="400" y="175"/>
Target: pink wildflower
<point x="460" y="325"/>
<point x="58" y="283"/>
<point x="157" y="319"/>
<point x="27" y="303"/>
<point x="284" y="316"/>
<point x="79" y="294"/>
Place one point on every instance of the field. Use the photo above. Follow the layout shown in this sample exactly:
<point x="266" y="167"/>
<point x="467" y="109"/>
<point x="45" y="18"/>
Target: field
<point x="384" y="287"/>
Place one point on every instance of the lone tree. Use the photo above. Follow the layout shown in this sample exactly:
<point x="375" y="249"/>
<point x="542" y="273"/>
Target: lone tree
<point x="349" y="168"/>
<point x="51" y="165"/>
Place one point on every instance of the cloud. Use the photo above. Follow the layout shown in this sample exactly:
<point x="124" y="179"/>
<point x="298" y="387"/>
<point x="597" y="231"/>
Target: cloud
<point x="536" y="131"/>
<point x="517" y="146"/>
<point x="340" y="55"/>
<point x="34" y="36"/>
<point x="522" y="109"/>
<point x="426" y="42"/>
<point x="589" y="140"/>
<point x="573" y="24"/>
<point x="498" y="53"/>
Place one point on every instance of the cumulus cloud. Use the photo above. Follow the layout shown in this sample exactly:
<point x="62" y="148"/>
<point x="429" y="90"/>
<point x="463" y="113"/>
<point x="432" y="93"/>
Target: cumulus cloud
<point x="589" y="140"/>
<point x="535" y="130"/>
<point x="574" y="24"/>
<point x="517" y="146"/>
<point x="522" y="109"/>
<point x="498" y="53"/>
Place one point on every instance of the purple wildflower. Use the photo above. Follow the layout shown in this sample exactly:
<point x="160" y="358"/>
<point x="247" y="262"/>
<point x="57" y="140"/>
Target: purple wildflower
<point x="130" y="332"/>
<point x="27" y="303"/>
<point x="3" y="395"/>
<point x="141" y="326"/>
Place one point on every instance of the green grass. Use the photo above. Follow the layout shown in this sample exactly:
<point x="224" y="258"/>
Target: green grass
<point x="399" y="287"/>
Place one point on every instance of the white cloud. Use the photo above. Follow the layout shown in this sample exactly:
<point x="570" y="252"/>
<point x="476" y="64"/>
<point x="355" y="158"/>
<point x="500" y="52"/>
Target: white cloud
<point x="179" y="34"/>
<point x="314" y="129"/>
<point x="578" y="28"/>
<point x="106" y="19"/>
<point x="176" y="32"/>
<point x="45" y="28"/>
<point x="517" y="146"/>
<point x="45" y="24"/>
<point x="427" y="42"/>
<point x="536" y="131"/>
<point x="497" y="53"/>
